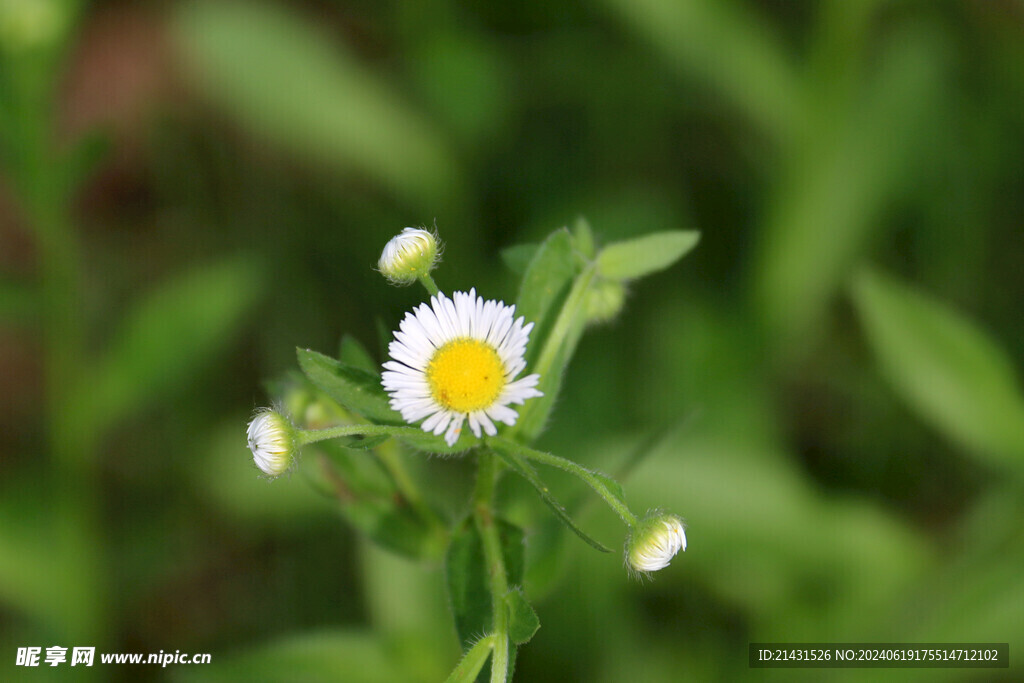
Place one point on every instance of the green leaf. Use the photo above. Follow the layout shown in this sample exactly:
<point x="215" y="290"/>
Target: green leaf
<point x="355" y="354"/>
<point x="325" y="657"/>
<point x="944" y="367"/>
<point x="466" y="576"/>
<point x="521" y="467"/>
<point x="548" y="277"/>
<point x="523" y="621"/>
<point x="355" y="389"/>
<point x="519" y="256"/>
<point x="167" y="337"/>
<point x="583" y="238"/>
<point x="472" y="662"/>
<point x="645" y="255"/>
<point x="371" y="505"/>
<point x="429" y="443"/>
<point x="292" y="83"/>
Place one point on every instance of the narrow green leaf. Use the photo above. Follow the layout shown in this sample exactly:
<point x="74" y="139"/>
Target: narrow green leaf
<point x="372" y="507"/>
<point x="523" y="621"/>
<point x="291" y="83"/>
<point x="583" y="238"/>
<point x="466" y="576"/>
<point x="518" y="257"/>
<point x="645" y="255"/>
<point x="944" y="367"/>
<point x="548" y="276"/>
<point x="351" y="352"/>
<point x="521" y="467"/>
<point x="472" y="662"/>
<point x="355" y="389"/>
<point x="168" y="335"/>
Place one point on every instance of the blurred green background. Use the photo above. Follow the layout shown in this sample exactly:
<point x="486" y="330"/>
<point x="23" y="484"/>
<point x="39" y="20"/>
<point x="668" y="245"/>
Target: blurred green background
<point x="190" y="190"/>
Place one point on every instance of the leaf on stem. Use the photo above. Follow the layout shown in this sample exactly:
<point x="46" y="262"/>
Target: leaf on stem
<point x="645" y="255"/>
<point x="521" y="467"/>
<point x="548" y="276"/>
<point x="523" y="621"/>
<point x="519" y="257"/>
<point x="351" y="352"/>
<point x="467" y="579"/>
<point x="353" y="388"/>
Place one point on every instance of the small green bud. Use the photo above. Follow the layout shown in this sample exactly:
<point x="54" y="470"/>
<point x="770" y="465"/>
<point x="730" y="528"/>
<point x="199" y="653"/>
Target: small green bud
<point x="605" y="300"/>
<point x="409" y="255"/>
<point x="654" y="541"/>
<point x="272" y="440"/>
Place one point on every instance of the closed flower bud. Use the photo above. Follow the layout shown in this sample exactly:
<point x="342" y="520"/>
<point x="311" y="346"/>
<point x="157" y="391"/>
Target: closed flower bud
<point x="409" y="255"/>
<point x="654" y="541"/>
<point x="272" y="442"/>
<point x="604" y="301"/>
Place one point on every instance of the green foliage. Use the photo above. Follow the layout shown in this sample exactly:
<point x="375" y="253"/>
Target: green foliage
<point x="944" y="367"/>
<point x="645" y="255"/>
<point x="353" y="388"/>
<point x="353" y="656"/>
<point x="801" y="139"/>
<point x="166" y="337"/>
<point x="520" y="466"/>
<point x="523" y="621"/>
<point x="466" y="574"/>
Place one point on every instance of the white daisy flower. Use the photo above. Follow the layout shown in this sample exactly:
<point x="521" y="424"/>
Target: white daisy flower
<point x="654" y="541"/>
<point x="272" y="442"/>
<point x="457" y="359"/>
<point x="409" y="255"/>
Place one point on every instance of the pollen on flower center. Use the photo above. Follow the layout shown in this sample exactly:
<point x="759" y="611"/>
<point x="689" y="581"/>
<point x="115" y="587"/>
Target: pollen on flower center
<point x="465" y="375"/>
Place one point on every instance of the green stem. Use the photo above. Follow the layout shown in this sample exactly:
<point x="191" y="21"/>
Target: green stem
<point x="429" y="284"/>
<point x="483" y="514"/>
<point x="391" y="458"/>
<point x="564" y="335"/>
<point x="472" y="661"/>
<point x="308" y="436"/>
<point x="588" y="476"/>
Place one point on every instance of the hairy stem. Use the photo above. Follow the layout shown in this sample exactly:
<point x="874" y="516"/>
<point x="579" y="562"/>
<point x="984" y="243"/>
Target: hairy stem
<point x="483" y="515"/>
<point x="588" y="476"/>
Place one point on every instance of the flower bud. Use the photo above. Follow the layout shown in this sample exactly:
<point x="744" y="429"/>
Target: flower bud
<point x="409" y="255"/>
<point x="654" y="541"/>
<point x="604" y="301"/>
<point x="272" y="442"/>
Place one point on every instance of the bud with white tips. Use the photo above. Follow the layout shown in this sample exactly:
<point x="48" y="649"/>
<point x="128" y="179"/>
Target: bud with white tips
<point x="654" y="541"/>
<point x="409" y="255"/>
<point x="272" y="441"/>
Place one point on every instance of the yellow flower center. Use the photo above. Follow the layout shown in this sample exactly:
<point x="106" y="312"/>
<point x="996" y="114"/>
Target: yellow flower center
<point x="465" y="375"/>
